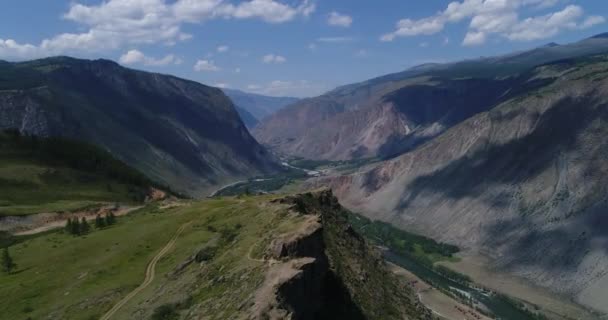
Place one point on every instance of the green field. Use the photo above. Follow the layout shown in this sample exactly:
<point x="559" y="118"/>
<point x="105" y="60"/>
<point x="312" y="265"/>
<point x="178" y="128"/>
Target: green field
<point x="64" y="277"/>
<point x="54" y="175"/>
<point x="422" y="249"/>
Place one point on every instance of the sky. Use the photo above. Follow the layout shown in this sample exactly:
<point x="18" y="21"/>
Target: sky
<point x="288" y="47"/>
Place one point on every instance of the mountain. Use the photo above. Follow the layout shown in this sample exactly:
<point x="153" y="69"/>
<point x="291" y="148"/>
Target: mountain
<point x="39" y="175"/>
<point x="392" y="114"/>
<point x="178" y="132"/>
<point x="523" y="183"/>
<point x="259" y="106"/>
<point x="293" y="257"/>
<point x="248" y="119"/>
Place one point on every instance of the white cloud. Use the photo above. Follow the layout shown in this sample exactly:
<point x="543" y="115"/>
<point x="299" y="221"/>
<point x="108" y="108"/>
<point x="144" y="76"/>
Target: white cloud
<point x="312" y="46"/>
<point x="138" y="57"/>
<point x="339" y="20"/>
<point x="222" y="48"/>
<point x="336" y="39"/>
<point x="222" y="85"/>
<point x="205" y="65"/>
<point x="273" y="58"/>
<point x="237" y="70"/>
<point x="474" y="38"/>
<point x="267" y="10"/>
<point x="114" y="24"/>
<point x="591" y="21"/>
<point x="498" y="17"/>
<point x="423" y="44"/>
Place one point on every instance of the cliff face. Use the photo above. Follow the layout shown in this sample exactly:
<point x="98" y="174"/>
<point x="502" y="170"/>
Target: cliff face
<point x="178" y="132"/>
<point x="523" y="183"/>
<point x="325" y="270"/>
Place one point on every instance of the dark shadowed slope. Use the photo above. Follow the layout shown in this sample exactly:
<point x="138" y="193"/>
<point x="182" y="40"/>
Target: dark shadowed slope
<point x="177" y="132"/>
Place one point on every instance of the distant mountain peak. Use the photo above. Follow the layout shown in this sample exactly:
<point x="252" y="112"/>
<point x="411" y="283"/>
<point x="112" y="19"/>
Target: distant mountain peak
<point x="600" y="36"/>
<point x="551" y="45"/>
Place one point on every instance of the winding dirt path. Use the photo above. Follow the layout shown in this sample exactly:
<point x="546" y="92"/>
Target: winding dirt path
<point x="150" y="273"/>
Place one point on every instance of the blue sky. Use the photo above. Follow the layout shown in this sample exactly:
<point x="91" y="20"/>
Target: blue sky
<point x="288" y="47"/>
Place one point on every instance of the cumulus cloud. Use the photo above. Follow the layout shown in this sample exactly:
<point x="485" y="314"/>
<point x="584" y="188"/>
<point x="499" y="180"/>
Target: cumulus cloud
<point x="339" y="20"/>
<point x="205" y="65"/>
<point x="114" y="24"/>
<point x="498" y="17"/>
<point x="138" y="57"/>
<point x="273" y="58"/>
<point x="222" y="48"/>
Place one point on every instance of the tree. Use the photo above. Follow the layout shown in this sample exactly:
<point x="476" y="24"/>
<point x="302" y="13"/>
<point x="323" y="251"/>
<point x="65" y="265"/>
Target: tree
<point x="84" y="226"/>
<point x="75" y="227"/>
<point x="110" y="218"/>
<point x="7" y="262"/>
<point x="68" y="226"/>
<point x="100" y="222"/>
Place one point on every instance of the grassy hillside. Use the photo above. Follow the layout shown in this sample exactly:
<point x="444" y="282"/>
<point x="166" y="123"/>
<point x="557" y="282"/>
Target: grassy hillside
<point x="50" y="175"/>
<point x="218" y="266"/>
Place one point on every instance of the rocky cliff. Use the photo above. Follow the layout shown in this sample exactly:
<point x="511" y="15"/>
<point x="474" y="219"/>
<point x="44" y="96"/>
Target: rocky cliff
<point x="325" y="270"/>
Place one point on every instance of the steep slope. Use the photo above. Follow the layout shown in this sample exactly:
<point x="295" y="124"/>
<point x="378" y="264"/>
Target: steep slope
<point x="178" y="132"/>
<point x="394" y="113"/>
<point x="523" y="183"/>
<point x="234" y="258"/>
<point x="248" y="119"/>
<point x="259" y="106"/>
<point x="49" y="175"/>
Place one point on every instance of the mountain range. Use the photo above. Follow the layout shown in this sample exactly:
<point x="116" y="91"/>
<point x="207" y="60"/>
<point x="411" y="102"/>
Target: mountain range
<point x="389" y="115"/>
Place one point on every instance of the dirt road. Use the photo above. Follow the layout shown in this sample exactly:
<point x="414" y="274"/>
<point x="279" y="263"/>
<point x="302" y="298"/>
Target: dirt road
<point x="60" y="221"/>
<point x="150" y="273"/>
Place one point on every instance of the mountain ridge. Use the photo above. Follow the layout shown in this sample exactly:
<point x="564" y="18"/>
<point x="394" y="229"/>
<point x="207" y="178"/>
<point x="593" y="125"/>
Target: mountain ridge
<point x="179" y="132"/>
<point x="352" y="121"/>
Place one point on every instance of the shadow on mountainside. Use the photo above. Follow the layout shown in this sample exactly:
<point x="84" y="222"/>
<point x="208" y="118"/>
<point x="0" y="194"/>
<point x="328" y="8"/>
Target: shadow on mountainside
<point x="516" y="161"/>
<point x="555" y="247"/>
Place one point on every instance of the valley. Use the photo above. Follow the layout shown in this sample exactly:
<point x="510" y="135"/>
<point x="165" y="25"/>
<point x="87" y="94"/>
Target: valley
<point x="473" y="189"/>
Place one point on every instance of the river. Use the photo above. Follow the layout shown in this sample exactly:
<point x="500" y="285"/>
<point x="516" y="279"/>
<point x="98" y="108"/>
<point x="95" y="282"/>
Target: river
<point x="498" y="305"/>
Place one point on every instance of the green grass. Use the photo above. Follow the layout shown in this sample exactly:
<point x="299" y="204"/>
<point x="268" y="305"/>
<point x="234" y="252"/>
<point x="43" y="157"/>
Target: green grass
<point x="424" y="250"/>
<point x="54" y="175"/>
<point x="66" y="277"/>
<point x="27" y="187"/>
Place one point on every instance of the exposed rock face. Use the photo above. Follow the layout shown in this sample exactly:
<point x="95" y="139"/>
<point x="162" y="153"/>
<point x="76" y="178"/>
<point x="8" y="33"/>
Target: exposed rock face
<point x="393" y="114"/>
<point x="523" y="183"/>
<point x="178" y="132"/>
<point x="327" y="271"/>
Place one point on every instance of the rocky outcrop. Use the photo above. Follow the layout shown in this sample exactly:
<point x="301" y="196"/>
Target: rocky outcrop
<point x="325" y="270"/>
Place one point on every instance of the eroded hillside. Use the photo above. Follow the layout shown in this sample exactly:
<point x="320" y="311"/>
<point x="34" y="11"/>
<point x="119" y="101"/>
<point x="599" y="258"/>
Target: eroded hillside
<point x="523" y="183"/>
